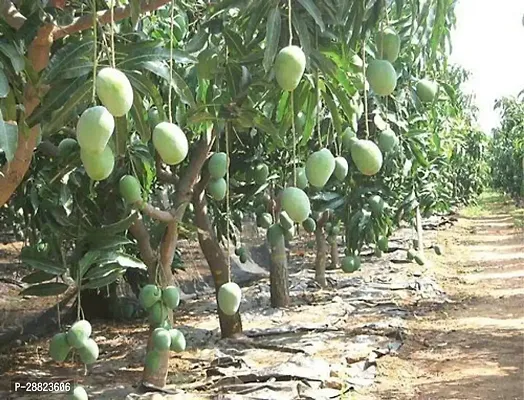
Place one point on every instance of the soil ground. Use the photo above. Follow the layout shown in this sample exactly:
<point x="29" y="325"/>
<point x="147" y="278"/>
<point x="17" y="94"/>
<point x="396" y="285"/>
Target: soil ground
<point x="471" y="347"/>
<point x="474" y="348"/>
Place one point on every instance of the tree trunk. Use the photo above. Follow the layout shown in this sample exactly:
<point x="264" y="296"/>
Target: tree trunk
<point x="322" y="249"/>
<point x="278" y="274"/>
<point x="419" y="233"/>
<point x="167" y="249"/>
<point x="334" y="255"/>
<point x="216" y="259"/>
<point x="158" y="377"/>
<point x="320" y="262"/>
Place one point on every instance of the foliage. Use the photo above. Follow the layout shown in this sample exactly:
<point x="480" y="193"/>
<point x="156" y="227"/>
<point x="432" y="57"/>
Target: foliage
<point x="507" y="148"/>
<point x="437" y="142"/>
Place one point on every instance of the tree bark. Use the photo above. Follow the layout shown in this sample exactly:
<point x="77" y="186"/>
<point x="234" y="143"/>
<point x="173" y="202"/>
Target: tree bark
<point x="320" y="262"/>
<point x="215" y="257"/>
<point x="278" y="274"/>
<point x="419" y="233"/>
<point x="334" y="255"/>
<point x="162" y="268"/>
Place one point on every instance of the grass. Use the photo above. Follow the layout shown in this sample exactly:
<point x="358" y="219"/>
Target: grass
<point x="490" y="203"/>
<point x="487" y="203"/>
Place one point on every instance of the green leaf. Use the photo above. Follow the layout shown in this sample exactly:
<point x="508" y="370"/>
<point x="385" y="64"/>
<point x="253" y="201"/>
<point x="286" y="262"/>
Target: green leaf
<point x="66" y="98"/>
<point x="438" y="28"/>
<point x="4" y="84"/>
<point x="334" y="113"/>
<point x="103" y="281"/>
<point x="234" y="42"/>
<point x="147" y="88"/>
<point x="257" y="13"/>
<point x="179" y="85"/>
<point x="272" y="38"/>
<point x="87" y="260"/>
<point x="138" y="56"/>
<point x="121" y="134"/>
<point x="72" y="57"/>
<point x="419" y="155"/>
<point x="311" y="118"/>
<point x="138" y="112"/>
<point x="8" y="139"/>
<point x="342" y="98"/>
<point x="135" y="10"/>
<point x="45" y="289"/>
<point x="41" y="263"/>
<point x="118" y="227"/>
<point x="128" y="261"/>
<point x="200" y="115"/>
<point x="197" y="42"/>
<point x="37" y="277"/>
<point x="303" y="34"/>
<point x="265" y="125"/>
<point x="313" y="10"/>
<point x="16" y="58"/>
<point x="101" y="271"/>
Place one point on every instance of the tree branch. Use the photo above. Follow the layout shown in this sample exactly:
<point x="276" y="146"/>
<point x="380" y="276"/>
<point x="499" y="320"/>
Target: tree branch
<point x="13" y="172"/>
<point x="10" y="13"/>
<point x="163" y="175"/>
<point x="140" y="233"/>
<point x="191" y="173"/>
<point x="156" y="213"/>
<point x="183" y="198"/>
<point x="104" y="17"/>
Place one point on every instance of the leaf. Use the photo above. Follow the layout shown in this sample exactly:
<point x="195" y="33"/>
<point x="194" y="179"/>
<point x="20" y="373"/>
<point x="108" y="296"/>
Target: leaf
<point x="135" y="10"/>
<point x="257" y="13"/>
<point x="37" y="277"/>
<point x="197" y="42"/>
<point x="137" y="56"/>
<point x="234" y="41"/>
<point x="179" y="85"/>
<point x="4" y="84"/>
<point x="120" y="226"/>
<point x="342" y="98"/>
<point x="303" y="34"/>
<point x="41" y="263"/>
<point x="419" y="155"/>
<point x="311" y="118"/>
<point x="101" y="271"/>
<point x="65" y="60"/>
<point x="103" y="281"/>
<point x="8" y="139"/>
<point x="138" y="112"/>
<point x="120" y="135"/>
<point x="87" y="260"/>
<point x="16" y="58"/>
<point x="313" y="10"/>
<point x="272" y="38"/>
<point x="199" y="116"/>
<point x="145" y="86"/>
<point x="68" y="96"/>
<point x="45" y="289"/>
<point x="438" y="28"/>
<point x="334" y="113"/>
<point x="127" y="261"/>
<point x="265" y="125"/>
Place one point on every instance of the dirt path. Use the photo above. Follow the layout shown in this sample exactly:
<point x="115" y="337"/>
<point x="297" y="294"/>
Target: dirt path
<point x="474" y="347"/>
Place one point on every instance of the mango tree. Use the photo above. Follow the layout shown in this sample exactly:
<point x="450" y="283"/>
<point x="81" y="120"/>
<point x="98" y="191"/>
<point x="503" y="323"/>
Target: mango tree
<point x="507" y="148"/>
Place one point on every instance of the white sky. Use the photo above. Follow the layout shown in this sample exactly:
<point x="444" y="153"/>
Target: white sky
<point x="489" y="42"/>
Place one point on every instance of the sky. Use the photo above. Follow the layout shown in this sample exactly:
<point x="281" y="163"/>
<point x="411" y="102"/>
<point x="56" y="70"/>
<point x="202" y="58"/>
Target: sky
<point x="489" y="42"/>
